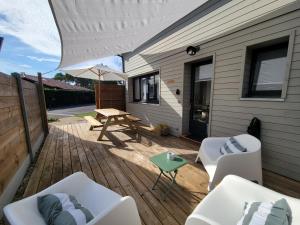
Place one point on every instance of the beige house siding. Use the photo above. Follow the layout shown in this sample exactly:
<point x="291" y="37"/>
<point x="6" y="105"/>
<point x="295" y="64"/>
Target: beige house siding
<point x="229" y="114"/>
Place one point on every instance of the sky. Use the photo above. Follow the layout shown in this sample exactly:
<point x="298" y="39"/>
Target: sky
<point x="31" y="40"/>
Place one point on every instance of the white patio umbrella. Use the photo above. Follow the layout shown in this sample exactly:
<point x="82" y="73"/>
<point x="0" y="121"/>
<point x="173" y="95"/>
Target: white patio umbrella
<point x="97" y="72"/>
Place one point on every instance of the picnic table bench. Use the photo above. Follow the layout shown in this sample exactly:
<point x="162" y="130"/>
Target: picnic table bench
<point x="93" y="122"/>
<point x="113" y="117"/>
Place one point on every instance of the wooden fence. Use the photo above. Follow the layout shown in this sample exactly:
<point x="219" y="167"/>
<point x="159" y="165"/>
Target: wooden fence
<point x="110" y="96"/>
<point x="23" y="128"/>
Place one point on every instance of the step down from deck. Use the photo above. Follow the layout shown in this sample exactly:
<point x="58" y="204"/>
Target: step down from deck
<point x="93" y="122"/>
<point x="133" y="118"/>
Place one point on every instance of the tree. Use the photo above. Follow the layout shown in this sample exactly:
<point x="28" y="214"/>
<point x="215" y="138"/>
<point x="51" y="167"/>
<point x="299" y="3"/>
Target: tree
<point x="82" y="82"/>
<point x="59" y="76"/>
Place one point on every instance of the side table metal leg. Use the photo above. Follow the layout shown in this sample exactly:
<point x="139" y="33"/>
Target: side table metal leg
<point x="157" y="179"/>
<point x="173" y="181"/>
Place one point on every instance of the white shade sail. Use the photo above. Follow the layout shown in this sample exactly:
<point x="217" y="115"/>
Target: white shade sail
<point x="98" y="72"/>
<point x="99" y="28"/>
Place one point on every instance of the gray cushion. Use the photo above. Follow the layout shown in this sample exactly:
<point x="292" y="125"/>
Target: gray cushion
<point x="232" y="146"/>
<point x="263" y="213"/>
<point x="63" y="209"/>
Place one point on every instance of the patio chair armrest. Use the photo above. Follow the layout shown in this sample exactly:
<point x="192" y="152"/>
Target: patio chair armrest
<point x="123" y="213"/>
<point x="196" y="219"/>
<point x="209" y="143"/>
<point x="243" y="164"/>
<point x="216" y="140"/>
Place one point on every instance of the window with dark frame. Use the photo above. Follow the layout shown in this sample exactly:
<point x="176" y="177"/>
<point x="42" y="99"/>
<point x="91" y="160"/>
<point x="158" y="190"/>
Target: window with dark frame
<point x="267" y="71"/>
<point x="146" y="88"/>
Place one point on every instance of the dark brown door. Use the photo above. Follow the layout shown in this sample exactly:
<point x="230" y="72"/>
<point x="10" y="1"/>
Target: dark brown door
<point x="200" y="99"/>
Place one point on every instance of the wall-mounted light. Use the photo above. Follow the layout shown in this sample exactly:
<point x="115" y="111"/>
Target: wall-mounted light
<point x="192" y="50"/>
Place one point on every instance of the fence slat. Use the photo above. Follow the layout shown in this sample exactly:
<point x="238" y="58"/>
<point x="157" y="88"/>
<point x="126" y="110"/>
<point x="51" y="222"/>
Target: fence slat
<point x="24" y="115"/>
<point x="42" y="102"/>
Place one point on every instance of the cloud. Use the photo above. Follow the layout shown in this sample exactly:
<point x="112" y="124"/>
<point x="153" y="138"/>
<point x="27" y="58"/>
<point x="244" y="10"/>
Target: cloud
<point x="42" y="59"/>
<point x="25" y="66"/>
<point x="10" y="67"/>
<point x="30" y="21"/>
<point x="114" y="62"/>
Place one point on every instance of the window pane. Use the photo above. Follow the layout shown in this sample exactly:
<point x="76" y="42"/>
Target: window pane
<point x="137" y="95"/>
<point x="203" y="72"/>
<point x="270" y="70"/>
<point x="157" y="86"/>
<point x="202" y="91"/>
<point x="144" y="89"/>
<point x="151" y="88"/>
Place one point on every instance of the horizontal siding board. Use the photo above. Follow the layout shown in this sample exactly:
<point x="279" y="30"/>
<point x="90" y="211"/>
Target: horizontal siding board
<point x="278" y="148"/>
<point x="226" y="23"/>
<point x="240" y="9"/>
<point x="293" y="98"/>
<point x="269" y="121"/>
<point x="227" y="80"/>
<point x="233" y="41"/>
<point x="281" y="113"/>
<point x="233" y="5"/>
<point x="281" y="163"/>
<point x="292" y="137"/>
<point x="294" y="161"/>
<point x="259" y="104"/>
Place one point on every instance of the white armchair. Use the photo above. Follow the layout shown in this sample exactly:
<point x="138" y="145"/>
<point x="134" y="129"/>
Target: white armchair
<point x="225" y="204"/>
<point x="246" y="164"/>
<point x="107" y="206"/>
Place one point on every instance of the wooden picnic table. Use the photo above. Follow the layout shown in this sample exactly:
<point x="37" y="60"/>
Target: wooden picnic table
<point x="114" y="117"/>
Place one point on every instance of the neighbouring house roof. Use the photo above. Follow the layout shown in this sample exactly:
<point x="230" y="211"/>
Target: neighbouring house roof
<point x="51" y="83"/>
<point x="89" y="30"/>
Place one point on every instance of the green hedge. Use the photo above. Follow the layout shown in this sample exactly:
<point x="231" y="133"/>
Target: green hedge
<point x="62" y="98"/>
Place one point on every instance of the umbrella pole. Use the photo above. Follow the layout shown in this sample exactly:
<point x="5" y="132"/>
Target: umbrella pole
<point x="99" y="82"/>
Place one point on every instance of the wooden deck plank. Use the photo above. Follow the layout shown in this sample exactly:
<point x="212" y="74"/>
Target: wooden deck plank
<point x="146" y="213"/>
<point x="85" y="166"/>
<point x="169" y="205"/>
<point x="179" y="213"/>
<point x="186" y="206"/>
<point x="146" y="192"/>
<point x="122" y="164"/>
<point x="75" y="161"/>
<point x="97" y="171"/>
<point x="123" y="177"/>
<point x="57" y="173"/>
<point x="101" y="154"/>
<point x="177" y="194"/>
<point x="67" y="164"/>
<point x="45" y="179"/>
<point x="33" y="183"/>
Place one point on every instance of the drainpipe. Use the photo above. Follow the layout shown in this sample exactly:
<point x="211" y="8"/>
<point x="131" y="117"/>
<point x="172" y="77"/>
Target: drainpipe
<point x="123" y="70"/>
<point x="123" y="64"/>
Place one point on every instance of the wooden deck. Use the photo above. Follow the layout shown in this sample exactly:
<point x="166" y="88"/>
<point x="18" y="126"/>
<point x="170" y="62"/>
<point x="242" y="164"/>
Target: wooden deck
<point x="121" y="164"/>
